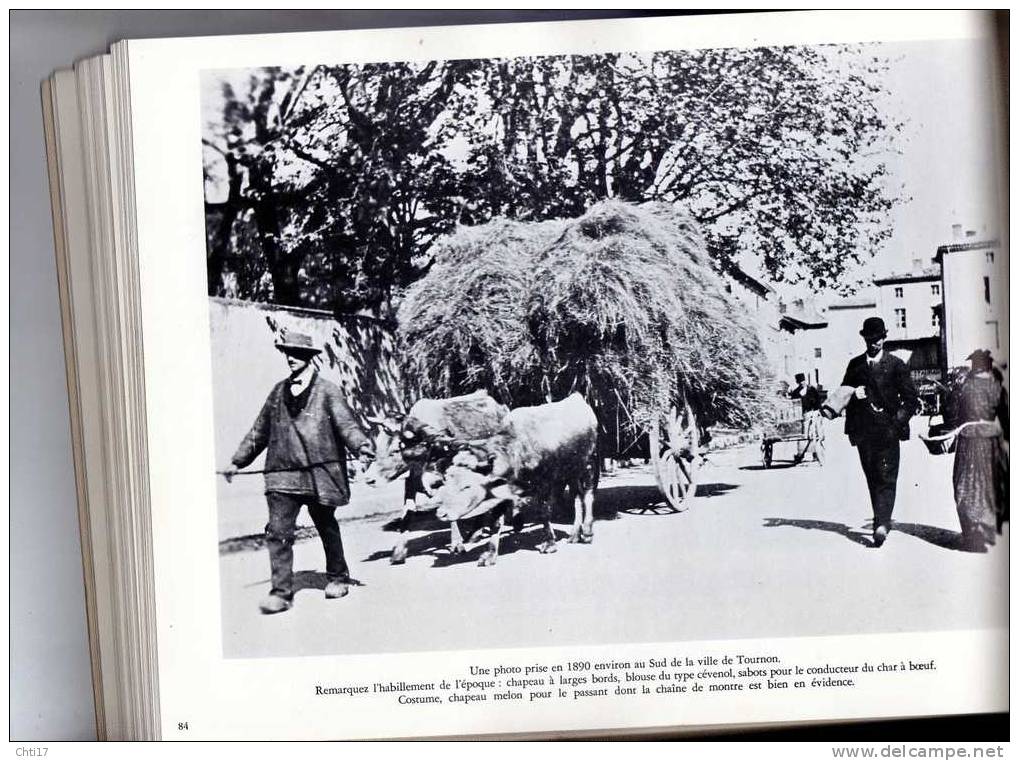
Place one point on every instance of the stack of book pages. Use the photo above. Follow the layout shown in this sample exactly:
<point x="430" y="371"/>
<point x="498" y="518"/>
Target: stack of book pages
<point x="455" y="381"/>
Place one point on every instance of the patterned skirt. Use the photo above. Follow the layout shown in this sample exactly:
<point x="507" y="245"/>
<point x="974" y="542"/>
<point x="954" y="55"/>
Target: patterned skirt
<point x="980" y="477"/>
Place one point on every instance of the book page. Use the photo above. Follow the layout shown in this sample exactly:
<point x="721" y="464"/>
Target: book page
<point x="727" y="300"/>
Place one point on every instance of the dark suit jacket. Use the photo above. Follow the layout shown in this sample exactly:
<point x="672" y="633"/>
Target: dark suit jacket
<point x="891" y="399"/>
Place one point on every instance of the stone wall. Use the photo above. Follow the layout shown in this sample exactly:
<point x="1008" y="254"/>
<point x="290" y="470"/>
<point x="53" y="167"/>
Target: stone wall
<point x="357" y="355"/>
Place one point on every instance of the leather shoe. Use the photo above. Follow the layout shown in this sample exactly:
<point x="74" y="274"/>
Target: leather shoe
<point x="335" y="589"/>
<point x="274" y="604"/>
<point x="880" y="534"/>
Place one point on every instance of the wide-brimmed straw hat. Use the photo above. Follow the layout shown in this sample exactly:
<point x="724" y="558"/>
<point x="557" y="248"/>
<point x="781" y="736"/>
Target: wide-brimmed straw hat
<point x="981" y="357"/>
<point x="874" y="327"/>
<point x="297" y="343"/>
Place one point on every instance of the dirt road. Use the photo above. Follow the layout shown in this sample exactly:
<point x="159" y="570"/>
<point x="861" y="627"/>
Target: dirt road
<point x="760" y="553"/>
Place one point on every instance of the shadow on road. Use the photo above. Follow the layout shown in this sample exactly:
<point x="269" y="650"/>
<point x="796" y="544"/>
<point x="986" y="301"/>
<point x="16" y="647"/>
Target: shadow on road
<point x="773" y="466"/>
<point x="308" y="580"/>
<point x="431" y="543"/>
<point x="435" y="543"/>
<point x="633" y="500"/>
<point x="714" y="490"/>
<point x="940" y="537"/>
<point x="422" y="520"/>
<point x="609" y="502"/>
<point x="861" y="538"/>
<point x="646" y="500"/>
<point x="526" y="540"/>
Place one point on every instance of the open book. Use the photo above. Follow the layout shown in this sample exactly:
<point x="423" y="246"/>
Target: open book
<point x="546" y="379"/>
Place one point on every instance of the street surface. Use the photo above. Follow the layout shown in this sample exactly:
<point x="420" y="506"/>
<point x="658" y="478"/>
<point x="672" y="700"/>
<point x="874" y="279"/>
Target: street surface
<point x="759" y="553"/>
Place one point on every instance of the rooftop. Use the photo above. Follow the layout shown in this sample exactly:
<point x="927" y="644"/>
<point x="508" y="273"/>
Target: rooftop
<point x="858" y="303"/>
<point x="932" y="272"/>
<point x="749" y="281"/>
<point x="953" y="248"/>
<point x="798" y="316"/>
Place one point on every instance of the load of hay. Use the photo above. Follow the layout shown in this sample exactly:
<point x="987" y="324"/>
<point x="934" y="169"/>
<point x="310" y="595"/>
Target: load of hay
<point x="463" y="326"/>
<point x="621" y="304"/>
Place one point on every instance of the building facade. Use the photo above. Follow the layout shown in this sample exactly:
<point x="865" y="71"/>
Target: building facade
<point x="841" y="341"/>
<point x="911" y="303"/>
<point x="974" y="282"/>
<point x="788" y="331"/>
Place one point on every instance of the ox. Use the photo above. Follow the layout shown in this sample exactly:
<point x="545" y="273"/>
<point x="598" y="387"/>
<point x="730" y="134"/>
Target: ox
<point x="538" y="452"/>
<point x="422" y="444"/>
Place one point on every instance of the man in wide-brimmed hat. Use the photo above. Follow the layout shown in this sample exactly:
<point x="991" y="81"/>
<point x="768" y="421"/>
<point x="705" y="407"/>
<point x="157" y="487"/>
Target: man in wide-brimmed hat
<point x="877" y="417"/>
<point x="306" y="427"/>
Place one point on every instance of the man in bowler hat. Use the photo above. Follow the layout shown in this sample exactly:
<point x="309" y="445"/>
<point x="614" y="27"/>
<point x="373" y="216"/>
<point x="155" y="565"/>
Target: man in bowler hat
<point x="877" y="418"/>
<point x="307" y="428"/>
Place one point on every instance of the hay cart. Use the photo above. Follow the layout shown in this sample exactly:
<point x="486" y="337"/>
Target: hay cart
<point x="622" y="304"/>
<point x="676" y="455"/>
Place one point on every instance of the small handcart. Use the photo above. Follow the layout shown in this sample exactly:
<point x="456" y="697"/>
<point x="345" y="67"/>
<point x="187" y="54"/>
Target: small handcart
<point x="793" y="435"/>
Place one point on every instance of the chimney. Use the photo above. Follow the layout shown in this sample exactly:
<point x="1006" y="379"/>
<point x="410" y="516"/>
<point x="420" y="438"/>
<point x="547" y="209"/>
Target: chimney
<point x="956" y="232"/>
<point x="971" y="233"/>
<point x="917" y="266"/>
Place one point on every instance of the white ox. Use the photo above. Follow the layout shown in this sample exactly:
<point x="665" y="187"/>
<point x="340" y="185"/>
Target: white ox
<point x="422" y="444"/>
<point x="538" y="452"/>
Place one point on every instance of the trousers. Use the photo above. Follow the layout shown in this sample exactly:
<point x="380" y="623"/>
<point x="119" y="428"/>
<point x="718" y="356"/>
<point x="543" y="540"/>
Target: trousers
<point x="279" y="537"/>
<point x="880" y="461"/>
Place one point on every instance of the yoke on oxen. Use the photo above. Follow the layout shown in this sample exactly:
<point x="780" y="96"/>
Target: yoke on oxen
<point x="422" y="443"/>
<point x="537" y="453"/>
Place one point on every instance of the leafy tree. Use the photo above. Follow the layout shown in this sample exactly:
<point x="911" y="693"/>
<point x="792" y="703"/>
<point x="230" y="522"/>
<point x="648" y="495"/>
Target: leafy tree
<point x="336" y="180"/>
<point x="249" y="147"/>
<point x="338" y="168"/>
<point x="778" y="152"/>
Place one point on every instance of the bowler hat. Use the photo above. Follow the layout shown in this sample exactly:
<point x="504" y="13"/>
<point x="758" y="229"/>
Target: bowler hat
<point x="873" y="327"/>
<point x="297" y="343"/>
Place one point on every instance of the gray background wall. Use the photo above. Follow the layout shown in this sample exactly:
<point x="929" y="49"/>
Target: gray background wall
<point x="50" y="680"/>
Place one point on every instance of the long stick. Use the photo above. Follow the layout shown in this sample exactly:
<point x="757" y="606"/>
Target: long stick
<point x="280" y="470"/>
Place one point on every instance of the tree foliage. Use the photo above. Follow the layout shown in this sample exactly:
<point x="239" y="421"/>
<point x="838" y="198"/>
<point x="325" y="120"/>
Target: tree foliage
<point x="333" y="182"/>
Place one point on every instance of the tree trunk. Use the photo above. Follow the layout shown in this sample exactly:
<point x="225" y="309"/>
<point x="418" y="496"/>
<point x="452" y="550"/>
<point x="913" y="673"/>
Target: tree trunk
<point x="282" y="268"/>
<point x="220" y="245"/>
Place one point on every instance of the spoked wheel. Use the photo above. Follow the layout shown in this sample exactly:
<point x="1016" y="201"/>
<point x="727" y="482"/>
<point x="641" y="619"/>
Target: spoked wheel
<point x="676" y="456"/>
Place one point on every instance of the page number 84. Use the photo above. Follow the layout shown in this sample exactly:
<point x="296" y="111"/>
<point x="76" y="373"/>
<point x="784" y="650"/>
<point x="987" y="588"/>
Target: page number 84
<point x="182" y="726"/>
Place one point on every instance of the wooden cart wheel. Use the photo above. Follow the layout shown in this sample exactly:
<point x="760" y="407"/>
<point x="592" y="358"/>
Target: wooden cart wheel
<point x="676" y="456"/>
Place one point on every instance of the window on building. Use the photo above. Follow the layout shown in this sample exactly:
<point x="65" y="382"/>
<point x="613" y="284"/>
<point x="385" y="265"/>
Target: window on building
<point x="987" y="290"/>
<point x="990" y="257"/>
<point x="817" y="352"/>
<point x="898" y="292"/>
<point x="935" y="318"/>
<point x="993" y="324"/>
<point x="900" y="318"/>
<point x="935" y="289"/>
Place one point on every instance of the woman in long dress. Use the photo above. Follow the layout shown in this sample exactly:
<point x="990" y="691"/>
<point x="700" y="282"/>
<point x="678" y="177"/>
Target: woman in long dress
<point x="980" y="475"/>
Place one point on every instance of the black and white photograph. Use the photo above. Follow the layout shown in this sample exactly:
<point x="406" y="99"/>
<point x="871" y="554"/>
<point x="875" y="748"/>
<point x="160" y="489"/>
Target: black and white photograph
<point x="664" y="346"/>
